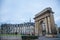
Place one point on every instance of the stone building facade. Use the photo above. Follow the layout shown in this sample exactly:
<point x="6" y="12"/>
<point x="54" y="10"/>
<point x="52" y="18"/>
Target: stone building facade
<point x="24" y="28"/>
<point x="44" y="22"/>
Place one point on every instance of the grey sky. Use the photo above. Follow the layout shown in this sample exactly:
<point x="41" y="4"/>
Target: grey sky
<point x="19" y="11"/>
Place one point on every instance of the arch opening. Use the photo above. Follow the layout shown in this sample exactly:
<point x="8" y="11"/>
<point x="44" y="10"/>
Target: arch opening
<point x="42" y="23"/>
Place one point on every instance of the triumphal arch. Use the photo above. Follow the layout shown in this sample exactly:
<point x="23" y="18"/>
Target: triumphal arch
<point x="44" y="22"/>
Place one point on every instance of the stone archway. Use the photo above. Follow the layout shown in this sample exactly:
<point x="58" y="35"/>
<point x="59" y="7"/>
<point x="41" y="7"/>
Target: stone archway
<point x="42" y="23"/>
<point x="47" y="16"/>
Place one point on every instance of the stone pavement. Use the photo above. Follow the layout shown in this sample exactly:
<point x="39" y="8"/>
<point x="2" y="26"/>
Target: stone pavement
<point x="45" y="38"/>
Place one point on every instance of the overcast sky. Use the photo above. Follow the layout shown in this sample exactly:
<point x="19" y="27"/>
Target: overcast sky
<point x="19" y="11"/>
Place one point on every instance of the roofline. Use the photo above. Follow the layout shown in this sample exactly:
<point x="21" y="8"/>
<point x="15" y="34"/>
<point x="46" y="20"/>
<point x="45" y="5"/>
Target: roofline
<point x="46" y="9"/>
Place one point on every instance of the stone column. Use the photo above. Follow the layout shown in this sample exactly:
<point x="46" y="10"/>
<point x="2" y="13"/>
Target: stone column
<point x="46" y="25"/>
<point x="49" y="25"/>
<point x="40" y="29"/>
<point x="36" y="28"/>
<point x="53" y="28"/>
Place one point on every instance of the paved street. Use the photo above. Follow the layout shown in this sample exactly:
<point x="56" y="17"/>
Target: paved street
<point x="44" y="38"/>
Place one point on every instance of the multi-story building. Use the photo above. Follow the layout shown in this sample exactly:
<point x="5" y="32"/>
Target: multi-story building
<point x="24" y="28"/>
